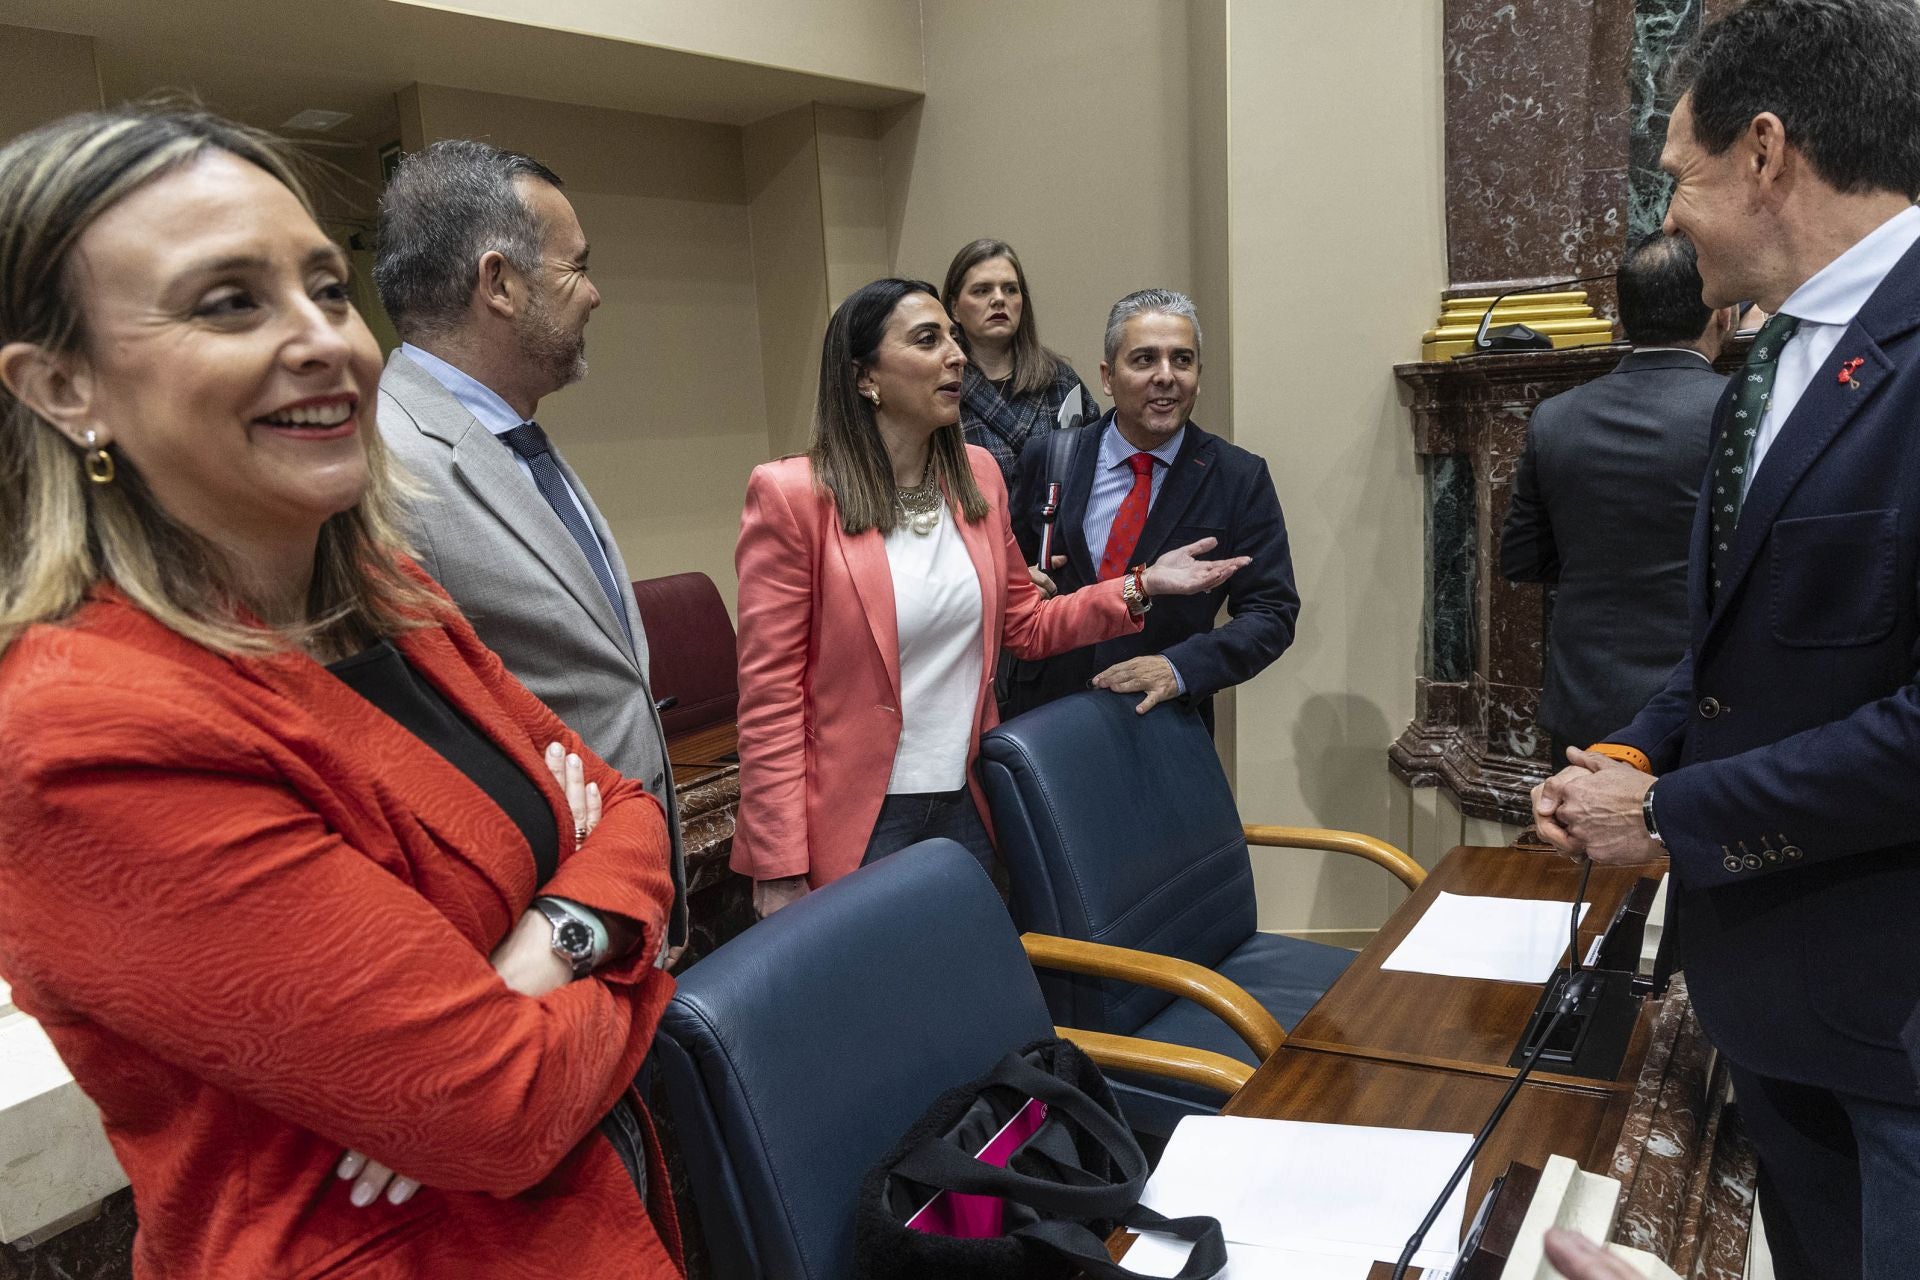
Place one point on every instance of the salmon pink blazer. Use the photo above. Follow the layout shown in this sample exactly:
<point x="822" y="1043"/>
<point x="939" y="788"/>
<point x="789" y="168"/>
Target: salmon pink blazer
<point x="253" y="913"/>
<point x="820" y="664"/>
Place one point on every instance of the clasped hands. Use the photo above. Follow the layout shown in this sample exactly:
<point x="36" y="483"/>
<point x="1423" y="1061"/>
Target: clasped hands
<point x="525" y="961"/>
<point x="1593" y="807"/>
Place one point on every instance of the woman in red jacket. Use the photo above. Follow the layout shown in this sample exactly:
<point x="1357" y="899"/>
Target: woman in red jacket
<point x="289" y="865"/>
<point x="879" y="578"/>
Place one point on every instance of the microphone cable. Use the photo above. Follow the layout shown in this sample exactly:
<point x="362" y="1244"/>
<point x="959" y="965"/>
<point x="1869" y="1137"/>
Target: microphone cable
<point x="1569" y="1000"/>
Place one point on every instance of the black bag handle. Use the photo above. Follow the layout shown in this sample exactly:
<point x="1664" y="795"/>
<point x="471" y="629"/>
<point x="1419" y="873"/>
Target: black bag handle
<point x="938" y="1163"/>
<point x="1075" y="1244"/>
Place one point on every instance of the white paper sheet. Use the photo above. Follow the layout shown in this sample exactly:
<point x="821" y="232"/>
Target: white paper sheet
<point x="1165" y="1255"/>
<point x="1506" y="939"/>
<point x="1329" y="1189"/>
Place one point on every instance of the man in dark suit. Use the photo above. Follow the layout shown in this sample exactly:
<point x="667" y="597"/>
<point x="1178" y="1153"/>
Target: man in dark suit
<point x="1604" y="497"/>
<point x="1780" y="766"/>
<point x="1142" y="480"/>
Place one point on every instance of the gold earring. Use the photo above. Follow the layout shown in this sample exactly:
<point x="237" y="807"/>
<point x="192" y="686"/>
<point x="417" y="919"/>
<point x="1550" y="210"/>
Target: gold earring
<point x="100" y="468"/>
<point x="874" y="395"/>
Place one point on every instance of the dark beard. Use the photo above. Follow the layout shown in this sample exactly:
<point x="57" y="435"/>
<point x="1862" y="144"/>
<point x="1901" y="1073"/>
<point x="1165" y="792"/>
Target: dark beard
<point x="561" y="355"/>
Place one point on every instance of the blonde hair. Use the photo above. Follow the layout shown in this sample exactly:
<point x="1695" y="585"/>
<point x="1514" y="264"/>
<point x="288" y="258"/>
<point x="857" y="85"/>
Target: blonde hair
<point x="60" y="535"/>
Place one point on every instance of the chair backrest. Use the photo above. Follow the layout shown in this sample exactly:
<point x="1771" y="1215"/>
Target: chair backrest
<point x="799" y="1053"/>
<point x="1118" y="828"/>
<point x="692" y="650"/>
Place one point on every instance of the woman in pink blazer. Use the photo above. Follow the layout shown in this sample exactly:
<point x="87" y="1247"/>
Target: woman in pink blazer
<point x="879" y="577"/>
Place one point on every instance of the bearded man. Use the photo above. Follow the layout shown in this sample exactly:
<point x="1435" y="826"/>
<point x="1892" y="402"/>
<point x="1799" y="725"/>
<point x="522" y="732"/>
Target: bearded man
<point x="482" y="266"/>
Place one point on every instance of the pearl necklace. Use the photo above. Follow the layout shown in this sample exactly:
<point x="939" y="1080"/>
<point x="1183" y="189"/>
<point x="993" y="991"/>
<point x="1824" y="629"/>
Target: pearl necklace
<point x="920" y="507"/>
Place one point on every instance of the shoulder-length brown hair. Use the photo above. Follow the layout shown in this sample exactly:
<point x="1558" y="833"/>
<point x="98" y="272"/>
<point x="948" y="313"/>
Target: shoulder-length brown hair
<point x="60" y="535"/>
<point x="848" y="457"/>
<point x="1034" y="366"/>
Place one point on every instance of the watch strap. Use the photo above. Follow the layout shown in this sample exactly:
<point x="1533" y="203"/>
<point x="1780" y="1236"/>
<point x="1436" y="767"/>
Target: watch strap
<point x="560" y="913"/>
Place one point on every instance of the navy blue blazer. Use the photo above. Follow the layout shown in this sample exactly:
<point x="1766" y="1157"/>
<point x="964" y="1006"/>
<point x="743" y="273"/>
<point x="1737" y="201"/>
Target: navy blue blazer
<point x="1214" y="489"/>
<point x="1787" y="741"/>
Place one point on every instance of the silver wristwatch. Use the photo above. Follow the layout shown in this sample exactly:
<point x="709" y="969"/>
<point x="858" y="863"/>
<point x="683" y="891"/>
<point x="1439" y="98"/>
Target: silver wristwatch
<point x="1133" y="590"/>
<point x="573" y="939"/>
<point x="1646" y="816"/>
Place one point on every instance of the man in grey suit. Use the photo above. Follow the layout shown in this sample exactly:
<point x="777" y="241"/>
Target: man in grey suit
<point x="1603" y="502"/>
<point x="483" y="267"/>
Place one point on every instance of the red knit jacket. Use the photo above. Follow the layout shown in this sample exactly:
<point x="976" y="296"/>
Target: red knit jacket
<point x="253" y="913"/>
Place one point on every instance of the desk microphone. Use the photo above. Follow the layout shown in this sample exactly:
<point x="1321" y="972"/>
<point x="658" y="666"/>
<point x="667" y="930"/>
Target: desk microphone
<point x="1570" y="998"/>
<point x="1519" y="337"/>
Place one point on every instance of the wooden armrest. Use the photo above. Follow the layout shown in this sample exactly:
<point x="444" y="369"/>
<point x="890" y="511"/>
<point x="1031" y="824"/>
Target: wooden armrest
<point x="1156" y="1057"/>
<point x="1377" y="851"/>
<point x="1223" y="997"/>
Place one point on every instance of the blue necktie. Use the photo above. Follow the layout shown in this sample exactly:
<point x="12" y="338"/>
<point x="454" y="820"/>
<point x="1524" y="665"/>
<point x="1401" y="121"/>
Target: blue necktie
<point x="530" y="442"/>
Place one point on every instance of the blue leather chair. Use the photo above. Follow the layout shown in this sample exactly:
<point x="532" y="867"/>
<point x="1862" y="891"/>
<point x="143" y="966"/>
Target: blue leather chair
<point x="1120" y="829"/>
<point x="795" y="1056"/>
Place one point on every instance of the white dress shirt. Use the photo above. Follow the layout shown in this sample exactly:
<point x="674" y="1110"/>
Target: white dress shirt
<point x="1825" y="305"/>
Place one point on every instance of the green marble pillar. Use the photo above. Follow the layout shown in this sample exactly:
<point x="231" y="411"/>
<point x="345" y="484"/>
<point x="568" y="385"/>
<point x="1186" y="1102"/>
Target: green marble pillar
<point x="1661" y="28"/>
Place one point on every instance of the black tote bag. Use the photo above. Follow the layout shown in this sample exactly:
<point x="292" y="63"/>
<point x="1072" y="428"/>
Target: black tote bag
<point x="1019" y="1175"/>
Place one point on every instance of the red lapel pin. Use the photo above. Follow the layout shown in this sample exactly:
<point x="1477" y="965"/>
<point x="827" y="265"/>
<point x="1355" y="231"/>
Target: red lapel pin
<point x="1848" y="370"/>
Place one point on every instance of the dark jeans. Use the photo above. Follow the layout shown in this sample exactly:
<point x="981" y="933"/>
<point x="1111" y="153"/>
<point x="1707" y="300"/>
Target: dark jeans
<point x="1839" y="1179"/>
<point x="931" y="815"/>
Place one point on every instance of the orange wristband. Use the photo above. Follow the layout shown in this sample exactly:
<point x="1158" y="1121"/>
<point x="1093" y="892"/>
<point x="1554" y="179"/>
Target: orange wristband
<point x="1624" y="754"/>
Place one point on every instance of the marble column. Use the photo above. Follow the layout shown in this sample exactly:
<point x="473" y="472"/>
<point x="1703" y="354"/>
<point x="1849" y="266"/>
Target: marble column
<point x="1556" y="113"/>
<point x="1661" y="28"/>
<point x="1537" y="121"/>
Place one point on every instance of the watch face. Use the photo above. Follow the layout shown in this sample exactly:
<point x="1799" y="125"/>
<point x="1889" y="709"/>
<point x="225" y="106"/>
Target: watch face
<point x="575" y="938"/>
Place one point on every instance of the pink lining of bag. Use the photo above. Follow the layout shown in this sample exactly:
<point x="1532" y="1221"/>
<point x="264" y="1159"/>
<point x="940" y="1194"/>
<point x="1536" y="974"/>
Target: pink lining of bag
<point x="968" y="1217"/>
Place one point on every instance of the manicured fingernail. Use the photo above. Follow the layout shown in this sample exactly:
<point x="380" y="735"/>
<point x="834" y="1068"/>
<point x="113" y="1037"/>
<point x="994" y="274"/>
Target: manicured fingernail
<point x="401" y="1189"/>
<point x="350" y="1165"/>
<point x="362" y="1194"/>
<point x="553" y="748"/>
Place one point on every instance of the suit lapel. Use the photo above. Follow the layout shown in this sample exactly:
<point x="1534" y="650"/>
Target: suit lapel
<point x="1190" y="469"/>
<point x="489" y="471"/>
<point x="615" y="562"/>
<point x="865" y="555"/>
<point x="1071" y="523"/>
<point x="1826" y="408"/>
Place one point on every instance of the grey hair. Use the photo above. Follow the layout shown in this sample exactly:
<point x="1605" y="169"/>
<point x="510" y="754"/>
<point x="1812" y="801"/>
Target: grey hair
<point x="1169" y="302"/>
<point x="445" y="207"/>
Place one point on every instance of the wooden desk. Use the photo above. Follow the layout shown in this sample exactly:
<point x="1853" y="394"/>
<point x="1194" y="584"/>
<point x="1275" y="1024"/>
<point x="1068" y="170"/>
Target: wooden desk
<point x="1463" y="1024"/>
<point x="1544" y="1120"/>
<point x="1419" y="1051"/>
<point x="712" y="747"/>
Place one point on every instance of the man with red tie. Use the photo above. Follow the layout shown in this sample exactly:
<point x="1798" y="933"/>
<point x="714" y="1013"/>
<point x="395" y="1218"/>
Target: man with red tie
<point x="1141" y="480"/>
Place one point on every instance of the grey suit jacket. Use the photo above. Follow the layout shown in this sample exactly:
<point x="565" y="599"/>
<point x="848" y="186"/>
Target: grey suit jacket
<point x="487" y="536"/>
<point x="1603" y="505"/>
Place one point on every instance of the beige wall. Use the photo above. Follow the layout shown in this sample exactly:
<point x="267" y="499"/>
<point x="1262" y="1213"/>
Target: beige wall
<point x="1061" y="128"/>
<point x="873" y="41"/>
<point x="1336" y="258"/>
<point x="671" y="419"/>
<point x="47" y="75"/>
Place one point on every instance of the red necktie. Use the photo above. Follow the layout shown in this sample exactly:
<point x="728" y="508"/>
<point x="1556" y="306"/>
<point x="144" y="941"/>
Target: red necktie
<point x="1130" y="520"/>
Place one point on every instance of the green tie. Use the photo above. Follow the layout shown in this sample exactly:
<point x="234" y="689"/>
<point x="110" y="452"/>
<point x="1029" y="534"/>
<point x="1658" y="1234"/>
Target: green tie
<point x="1735" y="446"/>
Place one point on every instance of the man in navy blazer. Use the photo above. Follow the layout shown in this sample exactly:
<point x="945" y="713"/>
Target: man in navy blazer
<point x="1142" y="480"/>
<point x="1780" y="766"/>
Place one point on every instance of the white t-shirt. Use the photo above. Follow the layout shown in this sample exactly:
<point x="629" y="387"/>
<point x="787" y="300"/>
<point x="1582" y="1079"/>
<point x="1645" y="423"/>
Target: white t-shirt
<point x="936" y="602"/>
